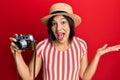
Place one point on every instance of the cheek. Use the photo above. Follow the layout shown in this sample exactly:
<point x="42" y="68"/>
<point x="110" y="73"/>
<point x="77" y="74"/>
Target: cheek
<point x="53" y="29"/>
<point x="68" y="29"/>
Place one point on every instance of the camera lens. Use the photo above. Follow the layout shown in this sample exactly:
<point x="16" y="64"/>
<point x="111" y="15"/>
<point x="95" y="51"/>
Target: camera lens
<point x="21" y="44"/>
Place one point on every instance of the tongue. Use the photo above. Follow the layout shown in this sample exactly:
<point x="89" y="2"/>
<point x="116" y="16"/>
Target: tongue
<point x="60" y="36"/>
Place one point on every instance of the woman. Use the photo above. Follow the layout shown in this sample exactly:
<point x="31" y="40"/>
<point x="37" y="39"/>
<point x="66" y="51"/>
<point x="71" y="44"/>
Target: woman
<point x="63" y="56"/>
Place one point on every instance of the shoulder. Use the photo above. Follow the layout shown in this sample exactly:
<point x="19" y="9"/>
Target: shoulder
<point x="41" y="44"/>
<point x="82" y="45"/>
<point x="80" y="41"/>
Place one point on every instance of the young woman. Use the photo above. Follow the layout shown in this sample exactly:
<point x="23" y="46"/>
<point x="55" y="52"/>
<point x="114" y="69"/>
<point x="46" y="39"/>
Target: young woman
<point x="62" y="55"/>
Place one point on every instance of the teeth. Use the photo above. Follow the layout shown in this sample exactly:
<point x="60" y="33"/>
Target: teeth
<point x="60" y="35"/>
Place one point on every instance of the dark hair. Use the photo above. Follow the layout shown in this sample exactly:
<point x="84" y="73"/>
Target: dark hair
<point x="50" y="33"/>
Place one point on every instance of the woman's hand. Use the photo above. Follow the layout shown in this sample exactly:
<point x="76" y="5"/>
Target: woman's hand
<point x="105" y="49"/>
<point x="13" y="47"/>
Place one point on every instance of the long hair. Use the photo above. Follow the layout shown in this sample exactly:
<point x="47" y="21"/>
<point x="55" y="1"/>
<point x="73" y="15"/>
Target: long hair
<point x="51" y="36"/>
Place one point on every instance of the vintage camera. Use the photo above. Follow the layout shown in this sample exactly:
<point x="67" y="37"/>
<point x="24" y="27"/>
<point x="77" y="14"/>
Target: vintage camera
<point x="24" y="42"/>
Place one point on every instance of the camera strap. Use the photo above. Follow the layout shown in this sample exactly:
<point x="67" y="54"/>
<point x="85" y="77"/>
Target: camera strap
<point x="34" y="66"/>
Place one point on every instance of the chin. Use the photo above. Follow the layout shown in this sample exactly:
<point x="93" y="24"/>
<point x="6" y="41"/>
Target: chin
<point x="62" y="41"/>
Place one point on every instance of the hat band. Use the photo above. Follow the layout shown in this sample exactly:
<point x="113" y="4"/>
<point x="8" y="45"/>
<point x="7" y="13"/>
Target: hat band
<point x="55" y="12"/>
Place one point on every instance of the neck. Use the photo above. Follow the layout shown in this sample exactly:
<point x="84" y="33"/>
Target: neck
<point x="61" y="46"/>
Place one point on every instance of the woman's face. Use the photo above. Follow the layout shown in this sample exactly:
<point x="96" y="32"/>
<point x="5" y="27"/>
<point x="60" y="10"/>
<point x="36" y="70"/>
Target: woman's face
<point x="60" y="28"/>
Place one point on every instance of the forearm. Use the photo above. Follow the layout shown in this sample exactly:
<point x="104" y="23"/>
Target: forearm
<point x="91" y="68"/>
<point x="22" y="68"/>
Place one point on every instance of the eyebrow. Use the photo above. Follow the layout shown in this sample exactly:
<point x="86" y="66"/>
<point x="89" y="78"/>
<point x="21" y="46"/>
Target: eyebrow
<point x="60" y="19"/>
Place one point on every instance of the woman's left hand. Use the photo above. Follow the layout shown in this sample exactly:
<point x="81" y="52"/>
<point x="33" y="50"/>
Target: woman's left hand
<point x="106" y="49"/>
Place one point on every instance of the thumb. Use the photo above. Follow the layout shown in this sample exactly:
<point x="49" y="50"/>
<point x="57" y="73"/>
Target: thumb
<point x="105" y="46"/>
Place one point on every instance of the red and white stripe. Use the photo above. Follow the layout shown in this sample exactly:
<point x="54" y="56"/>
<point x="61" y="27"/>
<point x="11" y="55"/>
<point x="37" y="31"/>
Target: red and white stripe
<point x="61" y="65"/>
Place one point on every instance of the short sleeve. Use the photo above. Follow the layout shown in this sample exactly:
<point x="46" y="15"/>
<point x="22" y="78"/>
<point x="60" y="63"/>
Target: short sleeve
<point x="40" y="47"/>
<point x="83" y="46"/>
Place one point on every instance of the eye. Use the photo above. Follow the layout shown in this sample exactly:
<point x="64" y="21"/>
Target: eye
<point x="63" y="22"/>
<point x="54" y="23"/>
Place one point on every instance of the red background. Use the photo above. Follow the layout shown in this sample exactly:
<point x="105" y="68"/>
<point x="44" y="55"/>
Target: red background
<point x="100" y="25"/>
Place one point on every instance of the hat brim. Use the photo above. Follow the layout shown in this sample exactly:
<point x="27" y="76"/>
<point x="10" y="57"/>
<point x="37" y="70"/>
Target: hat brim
<point x="74" y="17"/>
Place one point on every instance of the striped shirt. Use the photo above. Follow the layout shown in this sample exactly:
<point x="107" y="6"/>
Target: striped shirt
<point x="61" y="65"/>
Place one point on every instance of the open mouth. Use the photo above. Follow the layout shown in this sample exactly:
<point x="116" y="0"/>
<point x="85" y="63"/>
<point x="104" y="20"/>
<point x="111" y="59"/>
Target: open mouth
<point x="60" y="35"/>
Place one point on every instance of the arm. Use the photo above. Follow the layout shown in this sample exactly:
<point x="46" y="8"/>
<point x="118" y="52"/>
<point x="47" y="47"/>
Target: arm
<point x="88" y="70"/>
<point x="25" y="71"/>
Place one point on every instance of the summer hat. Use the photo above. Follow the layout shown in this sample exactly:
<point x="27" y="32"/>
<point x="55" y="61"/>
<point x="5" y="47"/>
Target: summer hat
<point x="62" y="9"/>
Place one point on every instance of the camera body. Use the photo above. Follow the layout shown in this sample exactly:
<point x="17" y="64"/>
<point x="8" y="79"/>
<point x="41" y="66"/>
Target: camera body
<point x="24" y="42"/>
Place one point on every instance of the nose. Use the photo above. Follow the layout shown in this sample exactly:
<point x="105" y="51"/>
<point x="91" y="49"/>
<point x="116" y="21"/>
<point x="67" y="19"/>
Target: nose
<point x="59" y="27"/>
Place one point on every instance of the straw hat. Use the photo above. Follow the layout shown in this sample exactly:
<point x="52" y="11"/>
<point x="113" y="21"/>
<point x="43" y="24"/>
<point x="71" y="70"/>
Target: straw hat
<point x="62" y="9"/>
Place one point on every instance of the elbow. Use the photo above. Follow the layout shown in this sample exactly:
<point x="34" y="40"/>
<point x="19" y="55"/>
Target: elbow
<point x="27" y="78"/>
<point x="85" y="77"/>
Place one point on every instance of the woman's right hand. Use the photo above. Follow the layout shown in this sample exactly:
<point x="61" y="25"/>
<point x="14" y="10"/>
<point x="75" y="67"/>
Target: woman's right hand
<point x="13" y="47"/>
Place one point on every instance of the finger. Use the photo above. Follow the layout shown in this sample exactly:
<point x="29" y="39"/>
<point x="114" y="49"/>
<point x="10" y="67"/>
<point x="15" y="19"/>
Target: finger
<point x="105" y="46"/>
<point x="12" y="39"/>
<point x="14" y="45"/>
<point x="14" y="50"/>
<point x="118" y="47"/>
<point x="15" y="35"/>
<point x="115" y="48"/>
<point x="112" y="48"/>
